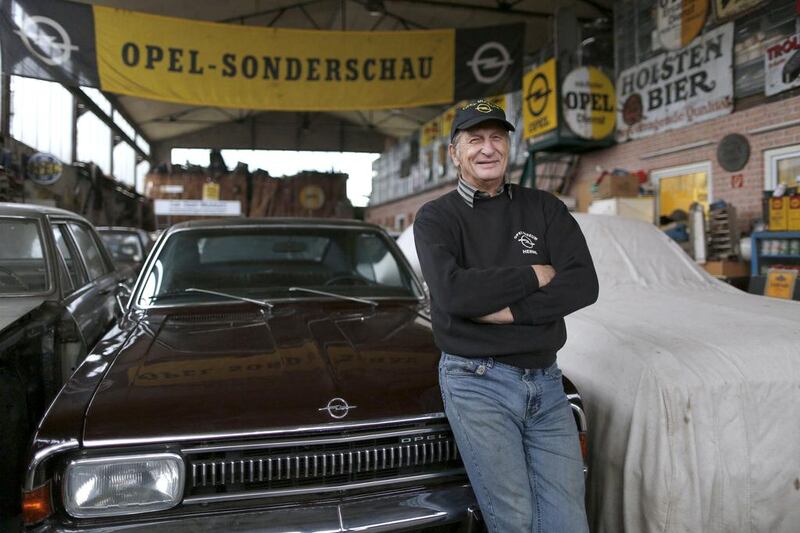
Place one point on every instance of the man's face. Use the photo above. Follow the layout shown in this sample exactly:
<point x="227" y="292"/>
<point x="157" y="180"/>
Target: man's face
<point x="481" y="153"/>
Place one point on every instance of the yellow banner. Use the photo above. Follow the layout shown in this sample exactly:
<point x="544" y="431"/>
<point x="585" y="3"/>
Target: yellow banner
<point x="540" y="100"/>
<point x="227" y="65"/>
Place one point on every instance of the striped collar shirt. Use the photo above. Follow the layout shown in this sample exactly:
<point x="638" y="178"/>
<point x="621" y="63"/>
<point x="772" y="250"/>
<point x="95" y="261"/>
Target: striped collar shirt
<point x="470" y="193"/>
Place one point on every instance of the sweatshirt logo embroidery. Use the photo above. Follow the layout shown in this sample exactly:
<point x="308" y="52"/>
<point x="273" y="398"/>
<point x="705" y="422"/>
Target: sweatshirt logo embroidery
<point x="528" y="242"/>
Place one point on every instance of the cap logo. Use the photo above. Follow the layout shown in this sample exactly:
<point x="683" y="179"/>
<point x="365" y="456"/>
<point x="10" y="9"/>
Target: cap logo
<point x="483" y="107"/>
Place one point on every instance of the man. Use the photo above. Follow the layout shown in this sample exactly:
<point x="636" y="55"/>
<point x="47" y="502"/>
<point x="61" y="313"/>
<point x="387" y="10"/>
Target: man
<point x="504" y="265"/>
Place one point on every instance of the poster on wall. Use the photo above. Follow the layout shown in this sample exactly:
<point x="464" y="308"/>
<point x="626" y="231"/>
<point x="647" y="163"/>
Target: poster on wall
<point x="730" y="9"/>
<point x="782" y="65"/>
<point x="589" y="103"/>
<point x="675" y="89"/>
<point x="678" y="22"/>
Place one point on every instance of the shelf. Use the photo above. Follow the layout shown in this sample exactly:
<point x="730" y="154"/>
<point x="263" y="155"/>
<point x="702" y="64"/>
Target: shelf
<point x="758" y="257"/>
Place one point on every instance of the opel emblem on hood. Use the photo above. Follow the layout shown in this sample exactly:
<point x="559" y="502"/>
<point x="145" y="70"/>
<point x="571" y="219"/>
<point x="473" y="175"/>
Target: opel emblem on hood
<point x="337" y="408"/>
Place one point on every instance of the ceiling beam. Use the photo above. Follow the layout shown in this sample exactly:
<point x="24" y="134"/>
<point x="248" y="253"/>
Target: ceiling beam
<point x="499" y="9"/>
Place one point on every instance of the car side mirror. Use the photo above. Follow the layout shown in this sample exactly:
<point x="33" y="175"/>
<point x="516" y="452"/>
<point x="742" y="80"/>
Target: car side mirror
<point x="123" y="294"/>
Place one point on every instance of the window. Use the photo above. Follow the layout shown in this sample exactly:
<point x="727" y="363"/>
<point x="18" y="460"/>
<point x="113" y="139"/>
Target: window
<point x="22" y="265"/>
<point x="95" y="264"/>
<point x="94" y="142"/>
<point x="64" y="246"/>
<point x="41" y="116"/>
<point x="754" y="33"/>
<point x="125" y="163"/>
<point x="141" y="172"/>
<point x="272" y="262"/>
<point x="679" y="187"/>
<point x="782" y="165"/>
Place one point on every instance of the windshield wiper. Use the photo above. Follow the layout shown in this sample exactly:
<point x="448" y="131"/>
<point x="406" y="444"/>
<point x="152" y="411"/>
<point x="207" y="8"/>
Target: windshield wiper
<point x="262" y="303"/>
<point x="191" y="290"/>
<point x="334" y="295"/>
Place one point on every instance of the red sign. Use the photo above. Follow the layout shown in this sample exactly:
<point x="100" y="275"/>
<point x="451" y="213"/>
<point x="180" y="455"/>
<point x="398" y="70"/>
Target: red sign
<point x="737" y="180"/>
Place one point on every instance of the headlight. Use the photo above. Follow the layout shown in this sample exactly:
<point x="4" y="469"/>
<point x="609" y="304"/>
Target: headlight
<point x="123" y="485"/>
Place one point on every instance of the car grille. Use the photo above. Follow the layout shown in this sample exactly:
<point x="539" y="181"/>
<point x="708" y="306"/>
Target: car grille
<point x="321" y="464"/>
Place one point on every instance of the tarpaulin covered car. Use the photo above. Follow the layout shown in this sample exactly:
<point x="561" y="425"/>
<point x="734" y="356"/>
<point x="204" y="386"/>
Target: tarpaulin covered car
<point x="691" y="388"/>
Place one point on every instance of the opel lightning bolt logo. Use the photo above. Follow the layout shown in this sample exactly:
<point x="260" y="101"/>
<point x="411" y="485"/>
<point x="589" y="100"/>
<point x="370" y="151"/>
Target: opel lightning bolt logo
<point x="53" y="47"/>
<point x="490" y="62"/>
<point x="538" y="94"/>
<point x="337" y="408"/>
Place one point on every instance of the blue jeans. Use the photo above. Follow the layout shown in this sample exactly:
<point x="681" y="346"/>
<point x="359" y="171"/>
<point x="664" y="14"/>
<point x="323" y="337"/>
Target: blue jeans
<point x="519" y="443"/>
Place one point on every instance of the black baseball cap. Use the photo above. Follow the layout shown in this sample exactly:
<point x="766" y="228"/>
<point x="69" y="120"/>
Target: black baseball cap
<point x="477" y="111"/>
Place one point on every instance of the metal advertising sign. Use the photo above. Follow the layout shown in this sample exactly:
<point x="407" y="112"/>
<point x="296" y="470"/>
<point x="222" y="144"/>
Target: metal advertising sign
<point x="540" y="100"/>
<point x="589" y="103"/>
<point x="730" y="9"/>
<point x="44" y="169"/>
<point x="207" y="208"/>
<point x="675" y="89"/>
<point x="678" y="22"/>
<point x="782" y="65"/>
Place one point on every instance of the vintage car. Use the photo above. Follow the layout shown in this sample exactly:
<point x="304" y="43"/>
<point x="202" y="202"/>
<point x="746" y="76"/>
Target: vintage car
<point x="691" y="388"/>
<point x="270" y="375"/>
<point x="128" y="248"/>
<point x="57" y="299"/>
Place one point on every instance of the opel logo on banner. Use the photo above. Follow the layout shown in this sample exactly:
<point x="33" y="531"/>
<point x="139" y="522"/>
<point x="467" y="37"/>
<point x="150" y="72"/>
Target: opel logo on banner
<point x="53" y="47"/>
<point x="337" y="408"/>
<point x="490" y="62"/>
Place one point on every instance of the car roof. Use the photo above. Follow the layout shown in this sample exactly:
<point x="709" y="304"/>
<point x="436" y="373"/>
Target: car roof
<point x="274" y="221"/>
<point x="35" y="210"/>
<point x="126" y="229"/>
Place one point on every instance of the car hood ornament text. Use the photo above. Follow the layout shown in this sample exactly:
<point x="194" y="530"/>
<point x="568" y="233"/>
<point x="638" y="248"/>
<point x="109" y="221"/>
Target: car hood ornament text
<point x="337" y="408"/>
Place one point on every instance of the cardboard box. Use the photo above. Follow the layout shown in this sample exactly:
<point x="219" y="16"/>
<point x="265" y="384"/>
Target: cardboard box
<point x="727" y="269"/>
<point x="793" y="216"/>
<point x="613" y="186"/>
<point x="778" y="214"/>
<point x="641" y="208"/>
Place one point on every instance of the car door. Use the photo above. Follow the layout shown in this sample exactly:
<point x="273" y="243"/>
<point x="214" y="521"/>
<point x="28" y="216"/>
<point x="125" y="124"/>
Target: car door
<point x="92" y="304"/>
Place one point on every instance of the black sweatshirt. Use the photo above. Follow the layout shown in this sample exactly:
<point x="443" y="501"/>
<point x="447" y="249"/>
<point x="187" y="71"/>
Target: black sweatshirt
<point x="476" y="260"/>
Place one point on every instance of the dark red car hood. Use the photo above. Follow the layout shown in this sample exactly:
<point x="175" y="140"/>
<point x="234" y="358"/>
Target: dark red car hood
<point x="230" y="369"/>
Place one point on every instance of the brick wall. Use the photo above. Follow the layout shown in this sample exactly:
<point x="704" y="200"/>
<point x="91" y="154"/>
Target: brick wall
<point x="387" y="214"/>
<point x="747" y="199"/>
<point x="634" y="156"/>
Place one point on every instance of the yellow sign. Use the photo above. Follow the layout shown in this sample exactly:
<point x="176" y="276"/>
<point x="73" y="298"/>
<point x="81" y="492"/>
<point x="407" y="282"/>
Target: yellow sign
<point x="211" y="191"/>
<point x="589" y="102"/>
<point x="204" y="63"/>
<point x="430" y="132"/>
<point x="312" y="197"/>
<point x="678" y="22"/>
<point x="447" y="120"/>
<point x="780" y="283"/>
<point x="540" y="100"/>
<point x="499" y="101"/>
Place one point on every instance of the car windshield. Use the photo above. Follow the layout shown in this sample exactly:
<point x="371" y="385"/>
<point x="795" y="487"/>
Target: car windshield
<point x="23" y="269"/>
<point x="266" y="262"/>
<point x="124" y="247"/>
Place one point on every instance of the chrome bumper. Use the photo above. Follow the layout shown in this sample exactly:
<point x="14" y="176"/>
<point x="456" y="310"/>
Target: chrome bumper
<point x="446" y="504"/>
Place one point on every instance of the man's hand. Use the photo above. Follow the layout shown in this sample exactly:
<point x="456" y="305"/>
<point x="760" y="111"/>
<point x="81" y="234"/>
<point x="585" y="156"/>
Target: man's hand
<point x="502" y="316"/>
<point x="545" y="274"/>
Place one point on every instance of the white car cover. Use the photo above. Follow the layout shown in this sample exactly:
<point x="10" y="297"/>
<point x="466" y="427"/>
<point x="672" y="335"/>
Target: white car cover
<point x="691" y="388"/>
